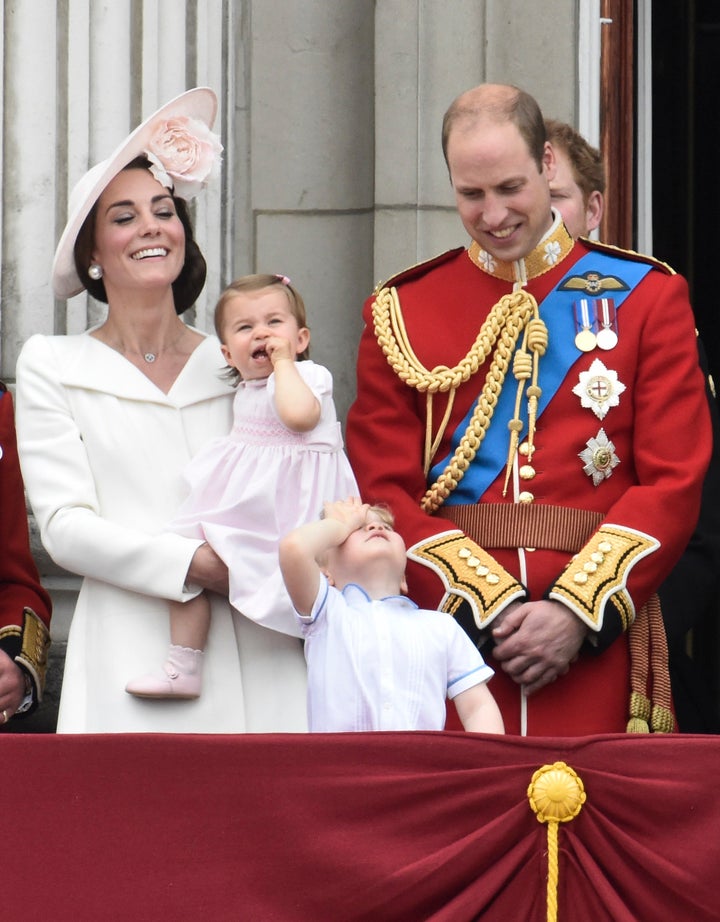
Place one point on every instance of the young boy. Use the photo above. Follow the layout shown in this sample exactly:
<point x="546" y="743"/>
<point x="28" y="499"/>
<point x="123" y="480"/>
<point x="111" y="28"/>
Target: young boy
<point x="375" y="660"/>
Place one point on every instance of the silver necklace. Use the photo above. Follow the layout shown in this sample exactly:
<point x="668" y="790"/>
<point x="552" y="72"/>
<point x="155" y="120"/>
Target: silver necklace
<point x="151" y="357"/>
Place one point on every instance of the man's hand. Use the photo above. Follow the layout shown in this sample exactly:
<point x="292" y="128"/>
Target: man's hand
<point x="535" y="642"/>
<point x="12" y="687"/>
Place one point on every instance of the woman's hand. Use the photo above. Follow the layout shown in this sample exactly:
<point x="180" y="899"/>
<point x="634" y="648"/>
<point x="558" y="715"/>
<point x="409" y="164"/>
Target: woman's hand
<point x="208" y="570"/>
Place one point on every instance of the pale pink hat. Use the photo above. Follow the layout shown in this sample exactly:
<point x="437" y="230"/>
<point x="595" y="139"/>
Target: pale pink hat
<point x="198" y="105"/>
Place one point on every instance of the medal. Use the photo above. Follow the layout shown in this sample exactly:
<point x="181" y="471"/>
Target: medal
<point x="599" y="458"/>
<point x="599" y="389"/>
<point x="607" y="337"/>
<point x="585" y="339"/>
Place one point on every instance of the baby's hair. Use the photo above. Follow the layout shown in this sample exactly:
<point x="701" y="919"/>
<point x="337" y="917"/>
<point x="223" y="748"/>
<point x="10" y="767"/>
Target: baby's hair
<point x="258" y="282"/>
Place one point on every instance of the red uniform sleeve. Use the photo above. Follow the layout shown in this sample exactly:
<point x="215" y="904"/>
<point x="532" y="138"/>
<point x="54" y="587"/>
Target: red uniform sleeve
<point x="25" y="606"/>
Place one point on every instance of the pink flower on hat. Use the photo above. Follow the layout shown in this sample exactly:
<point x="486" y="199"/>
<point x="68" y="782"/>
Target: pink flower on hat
<point x="183" y="153"/>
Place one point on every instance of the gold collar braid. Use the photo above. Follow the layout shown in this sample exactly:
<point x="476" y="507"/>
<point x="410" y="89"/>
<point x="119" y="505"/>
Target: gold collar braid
<point x="550" y="251"/>
<point x="513" y="315"/>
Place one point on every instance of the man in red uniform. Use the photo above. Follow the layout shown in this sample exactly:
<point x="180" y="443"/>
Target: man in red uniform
<point x="577" y="192"/>
<point x="541" y="445"/>
<point x="24" y="604"/>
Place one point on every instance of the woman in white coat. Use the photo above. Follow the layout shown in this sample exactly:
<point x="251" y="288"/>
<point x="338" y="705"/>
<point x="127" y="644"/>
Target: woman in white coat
<point x="107" y="421"/>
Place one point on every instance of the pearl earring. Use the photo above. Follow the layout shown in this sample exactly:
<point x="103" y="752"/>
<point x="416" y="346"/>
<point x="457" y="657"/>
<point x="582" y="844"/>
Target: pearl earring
<point x="95" y="271"/>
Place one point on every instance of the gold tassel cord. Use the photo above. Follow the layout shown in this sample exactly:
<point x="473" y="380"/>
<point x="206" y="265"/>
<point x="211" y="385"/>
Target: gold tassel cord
<point x="526" y="365"/>
<point x="556" y="795"/>
<point x="500" y="331"/>
<point x="430" y="449"/>
<point x="640" y="704"/>
<point x="650" y="695"/>
<point x="522" y="369"/>
<point x="537" y="343"/>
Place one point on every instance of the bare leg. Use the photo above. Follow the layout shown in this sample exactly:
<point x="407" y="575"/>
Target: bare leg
<point x="190" y="622"/>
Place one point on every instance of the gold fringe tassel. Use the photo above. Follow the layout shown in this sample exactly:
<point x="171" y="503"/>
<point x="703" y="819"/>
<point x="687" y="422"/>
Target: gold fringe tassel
<point x="650" y="694"/>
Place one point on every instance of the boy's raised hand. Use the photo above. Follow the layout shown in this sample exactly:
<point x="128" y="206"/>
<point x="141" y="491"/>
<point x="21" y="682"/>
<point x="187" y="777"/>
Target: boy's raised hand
<point x="299" y="550"/>
<point x="351" y="512"/>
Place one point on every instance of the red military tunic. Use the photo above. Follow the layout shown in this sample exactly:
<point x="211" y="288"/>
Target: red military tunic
<point x="637" y="469"/>
<point x="24" y="604"/>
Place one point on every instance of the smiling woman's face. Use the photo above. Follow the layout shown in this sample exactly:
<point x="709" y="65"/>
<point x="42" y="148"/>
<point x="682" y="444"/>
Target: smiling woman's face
<point x="139" y="238"/>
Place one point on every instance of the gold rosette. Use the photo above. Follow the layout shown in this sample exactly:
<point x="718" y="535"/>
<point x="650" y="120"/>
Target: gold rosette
<point x="556" y="794"/>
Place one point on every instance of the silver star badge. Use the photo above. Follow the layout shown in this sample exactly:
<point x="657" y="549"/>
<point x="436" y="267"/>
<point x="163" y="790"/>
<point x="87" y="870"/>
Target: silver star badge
<point x="599" y="389"/>
<point x="599" y="458"/>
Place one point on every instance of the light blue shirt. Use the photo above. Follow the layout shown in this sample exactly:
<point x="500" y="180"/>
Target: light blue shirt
<point x="383" y="664"/>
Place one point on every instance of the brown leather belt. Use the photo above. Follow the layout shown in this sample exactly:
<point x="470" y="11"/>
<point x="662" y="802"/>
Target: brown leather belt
<point x="496" y="525"/>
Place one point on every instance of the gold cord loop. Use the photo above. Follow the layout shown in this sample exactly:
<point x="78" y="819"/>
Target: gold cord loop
<point x="522" y="365"/>
<point x="501" y="331"/>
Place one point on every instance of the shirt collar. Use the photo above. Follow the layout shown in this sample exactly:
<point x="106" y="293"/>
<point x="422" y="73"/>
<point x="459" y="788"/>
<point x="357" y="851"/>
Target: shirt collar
<point x="551" y="250"/>
<point x="354" y="594"/>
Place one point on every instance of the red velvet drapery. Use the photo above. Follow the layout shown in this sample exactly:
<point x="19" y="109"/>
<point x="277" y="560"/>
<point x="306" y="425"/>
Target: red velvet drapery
<point x="388" y="827"/>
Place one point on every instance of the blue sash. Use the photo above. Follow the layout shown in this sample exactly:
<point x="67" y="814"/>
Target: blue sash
<point x="557" y="313"/>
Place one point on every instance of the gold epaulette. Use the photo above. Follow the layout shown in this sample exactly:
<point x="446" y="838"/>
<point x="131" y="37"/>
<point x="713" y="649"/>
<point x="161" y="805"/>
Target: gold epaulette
<point x="419" y="269"/>
<point x="628" y="254"/>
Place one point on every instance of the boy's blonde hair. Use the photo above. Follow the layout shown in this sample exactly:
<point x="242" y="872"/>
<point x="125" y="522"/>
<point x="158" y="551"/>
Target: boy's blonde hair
<point x="384" y="513"/>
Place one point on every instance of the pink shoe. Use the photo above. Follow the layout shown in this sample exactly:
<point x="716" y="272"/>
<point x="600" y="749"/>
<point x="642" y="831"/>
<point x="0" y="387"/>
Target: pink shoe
<point x="181" y="678"/>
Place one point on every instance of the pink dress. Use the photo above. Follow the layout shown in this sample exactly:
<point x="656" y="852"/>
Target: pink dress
<point x="253" y="486"/>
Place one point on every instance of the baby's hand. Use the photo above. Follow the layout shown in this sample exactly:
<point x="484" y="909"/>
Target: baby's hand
<point x="351" y="512"/>
<point x="277" y="348"/>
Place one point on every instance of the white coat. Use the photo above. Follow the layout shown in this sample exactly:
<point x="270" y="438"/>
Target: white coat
<point x="102" y="451"/>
